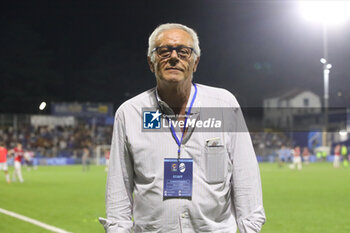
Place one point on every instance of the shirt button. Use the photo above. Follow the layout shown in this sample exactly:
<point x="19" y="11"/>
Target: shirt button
<point x="184" y="215"/>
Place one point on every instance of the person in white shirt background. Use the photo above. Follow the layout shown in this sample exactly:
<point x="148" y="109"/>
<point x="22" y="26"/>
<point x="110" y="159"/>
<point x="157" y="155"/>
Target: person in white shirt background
<point x="297" y="163"/>
<point x="222" y="189"/>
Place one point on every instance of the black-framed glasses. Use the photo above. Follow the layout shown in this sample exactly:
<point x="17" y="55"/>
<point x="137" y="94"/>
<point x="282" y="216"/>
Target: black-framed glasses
<point x="183" y="52"/>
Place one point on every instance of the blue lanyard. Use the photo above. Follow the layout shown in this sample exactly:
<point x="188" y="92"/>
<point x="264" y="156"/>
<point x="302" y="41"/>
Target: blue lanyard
<point x="183" y="130"/>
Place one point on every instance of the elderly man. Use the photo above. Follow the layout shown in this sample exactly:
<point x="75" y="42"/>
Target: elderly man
<point x="186" y="180"/>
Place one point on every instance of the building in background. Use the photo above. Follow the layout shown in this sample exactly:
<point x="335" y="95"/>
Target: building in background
<point x="281" y="110"/>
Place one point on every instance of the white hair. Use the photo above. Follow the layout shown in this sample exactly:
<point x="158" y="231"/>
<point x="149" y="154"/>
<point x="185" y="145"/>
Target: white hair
<point x="167" y="26"/>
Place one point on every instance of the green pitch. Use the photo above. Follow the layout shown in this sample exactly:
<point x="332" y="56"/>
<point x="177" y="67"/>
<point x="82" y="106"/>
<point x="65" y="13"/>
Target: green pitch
<point x="314" y="200"/>
<point x="62" y="196"/>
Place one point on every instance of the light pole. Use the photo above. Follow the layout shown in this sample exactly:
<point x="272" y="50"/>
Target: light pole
<point x="326" y="71"/>
<point x="326" y="12"/>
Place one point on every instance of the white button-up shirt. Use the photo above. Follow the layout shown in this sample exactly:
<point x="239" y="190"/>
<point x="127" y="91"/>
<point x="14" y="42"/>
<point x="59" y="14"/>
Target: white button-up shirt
<point x="226" y="189"/>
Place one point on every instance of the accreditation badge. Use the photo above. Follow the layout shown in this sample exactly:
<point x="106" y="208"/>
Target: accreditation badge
<point x="178" y="178"/>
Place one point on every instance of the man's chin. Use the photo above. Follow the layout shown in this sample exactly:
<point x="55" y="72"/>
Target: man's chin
<point x="173" y="79"/>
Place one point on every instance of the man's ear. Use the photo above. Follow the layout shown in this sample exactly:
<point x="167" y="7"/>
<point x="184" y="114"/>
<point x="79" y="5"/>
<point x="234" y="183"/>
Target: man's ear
<point x="150" y="63"/>
<point x="196" y="64"/>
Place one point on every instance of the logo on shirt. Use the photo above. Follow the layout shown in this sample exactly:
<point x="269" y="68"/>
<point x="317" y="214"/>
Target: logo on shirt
<point x="151" y="119"/>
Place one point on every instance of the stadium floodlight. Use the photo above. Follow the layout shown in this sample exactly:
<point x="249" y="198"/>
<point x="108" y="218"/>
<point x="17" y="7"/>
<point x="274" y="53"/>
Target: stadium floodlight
<point x="327" y="12"/>
<point x="42" y="106"/>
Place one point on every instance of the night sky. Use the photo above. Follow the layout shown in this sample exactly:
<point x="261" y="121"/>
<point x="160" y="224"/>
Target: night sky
<point x="95" y="51"/>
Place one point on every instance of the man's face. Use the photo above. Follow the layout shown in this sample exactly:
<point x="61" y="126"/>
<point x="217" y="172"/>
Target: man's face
<point x="174" y="69"/>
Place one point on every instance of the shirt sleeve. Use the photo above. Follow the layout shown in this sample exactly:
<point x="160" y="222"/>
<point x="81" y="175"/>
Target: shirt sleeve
<point x="246" y="184"/>
<point x="119" y="200"/>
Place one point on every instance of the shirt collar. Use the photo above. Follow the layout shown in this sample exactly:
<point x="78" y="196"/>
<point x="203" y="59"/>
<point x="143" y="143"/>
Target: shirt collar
<point x="164" y="107"/>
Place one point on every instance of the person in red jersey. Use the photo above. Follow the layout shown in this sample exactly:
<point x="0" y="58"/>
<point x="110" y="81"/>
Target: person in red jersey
<point x="3" y="161"/>
<point x="336" y="161"/>
<point x="107" y="154"/>
<point x="306" y="155"/>
<point x="296" y="159"/>
<point x="18" y="154"/>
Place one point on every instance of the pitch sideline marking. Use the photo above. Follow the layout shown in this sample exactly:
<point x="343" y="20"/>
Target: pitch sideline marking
<point x="33" y="221"/>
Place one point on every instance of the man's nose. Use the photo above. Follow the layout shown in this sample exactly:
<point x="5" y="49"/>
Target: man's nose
<point x="173" y="53"/>
<point x="174" y="59"/>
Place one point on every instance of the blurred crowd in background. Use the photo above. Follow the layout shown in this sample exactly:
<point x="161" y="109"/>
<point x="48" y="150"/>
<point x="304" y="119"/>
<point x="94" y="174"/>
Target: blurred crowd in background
<point x="71" y="141"/>
<point x="58" y="141"/>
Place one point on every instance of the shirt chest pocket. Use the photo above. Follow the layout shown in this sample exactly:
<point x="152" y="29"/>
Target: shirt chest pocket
<point x="216" y="162"/>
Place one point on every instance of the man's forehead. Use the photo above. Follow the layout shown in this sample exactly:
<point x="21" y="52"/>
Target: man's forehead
<point x="174" y="36"/>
